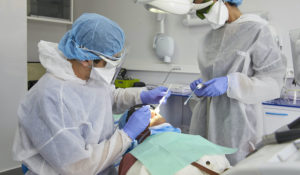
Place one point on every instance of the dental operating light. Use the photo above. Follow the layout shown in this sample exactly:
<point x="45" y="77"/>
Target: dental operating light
<point x="179" y="7"/>
<point x="167" y="6"/>
<point x="163" y="44"/>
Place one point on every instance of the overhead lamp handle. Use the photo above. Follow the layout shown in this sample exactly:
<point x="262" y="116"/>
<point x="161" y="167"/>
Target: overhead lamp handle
<point x="202" y="5"/>
<point x="142" y="1"/>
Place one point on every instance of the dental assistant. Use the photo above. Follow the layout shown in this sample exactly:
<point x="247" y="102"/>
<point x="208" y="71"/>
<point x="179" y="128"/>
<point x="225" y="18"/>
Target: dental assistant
<point x="65" y="121"/>
<point x="241" y="66"/>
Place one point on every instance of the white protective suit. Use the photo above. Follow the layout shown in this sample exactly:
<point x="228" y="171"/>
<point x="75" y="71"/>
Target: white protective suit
<point x="247" y="54"/>
<point x="66" y="124"/>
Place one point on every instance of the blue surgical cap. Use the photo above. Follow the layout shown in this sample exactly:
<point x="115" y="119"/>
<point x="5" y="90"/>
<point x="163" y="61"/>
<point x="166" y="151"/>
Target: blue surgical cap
<point x="92" y="34"/>
<point x="237" y="2"/>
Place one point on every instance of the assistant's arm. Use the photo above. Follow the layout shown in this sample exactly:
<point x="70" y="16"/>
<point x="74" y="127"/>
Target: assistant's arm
<point x="269" y="69"/>
<point x="126" y="98"/>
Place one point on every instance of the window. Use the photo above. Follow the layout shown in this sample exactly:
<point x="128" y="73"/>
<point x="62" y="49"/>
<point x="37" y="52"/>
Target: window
<point x="51" y="10"/>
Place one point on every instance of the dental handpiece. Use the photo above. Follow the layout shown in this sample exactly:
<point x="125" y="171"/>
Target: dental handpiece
<point x="157" y="110"/>
<point x="199" y="86"/>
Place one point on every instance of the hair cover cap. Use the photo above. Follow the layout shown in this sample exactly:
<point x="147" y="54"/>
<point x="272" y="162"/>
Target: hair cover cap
<point x="92" y="33"/>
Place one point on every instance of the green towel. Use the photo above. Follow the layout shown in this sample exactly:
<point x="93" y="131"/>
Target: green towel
<point x="117" y="117"/>
<point x="169" y="152"/>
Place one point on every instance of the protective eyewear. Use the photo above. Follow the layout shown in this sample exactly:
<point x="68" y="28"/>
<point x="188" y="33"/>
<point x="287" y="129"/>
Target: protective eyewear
<point x="113" y="58"/>
<point x="116" y="63"/>
<point x="200" y="13"/>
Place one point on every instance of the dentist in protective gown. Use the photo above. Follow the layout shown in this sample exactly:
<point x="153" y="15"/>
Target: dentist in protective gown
<point x="241" y="66"/>
<point x="65" y="120"/>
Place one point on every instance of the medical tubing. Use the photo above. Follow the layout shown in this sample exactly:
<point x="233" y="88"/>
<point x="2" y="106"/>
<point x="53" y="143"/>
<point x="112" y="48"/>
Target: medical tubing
<point x="162" y="25"/>
<point x="169" y="72"/>
<point x="167" y="76"/>
<point x="295" y="124"/>
<point x="267" y="139"/>
<point x="287" y="136"/>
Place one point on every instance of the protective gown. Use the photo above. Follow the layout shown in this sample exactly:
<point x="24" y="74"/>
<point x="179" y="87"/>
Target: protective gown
<point x="247" y="54"/>
<point x="66" y="124"/>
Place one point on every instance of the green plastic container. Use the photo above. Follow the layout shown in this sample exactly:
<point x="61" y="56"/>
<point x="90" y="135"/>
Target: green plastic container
<point x="125" y="83"/>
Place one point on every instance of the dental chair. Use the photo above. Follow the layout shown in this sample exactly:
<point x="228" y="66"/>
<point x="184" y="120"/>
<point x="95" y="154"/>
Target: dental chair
<point x="205" y="165"/>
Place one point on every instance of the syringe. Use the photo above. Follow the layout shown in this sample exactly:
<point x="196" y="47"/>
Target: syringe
<point x="199" y="86"/>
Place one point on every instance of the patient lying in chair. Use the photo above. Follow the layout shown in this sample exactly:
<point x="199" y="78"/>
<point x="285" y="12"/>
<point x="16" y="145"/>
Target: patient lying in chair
<point x="210" y="162"/>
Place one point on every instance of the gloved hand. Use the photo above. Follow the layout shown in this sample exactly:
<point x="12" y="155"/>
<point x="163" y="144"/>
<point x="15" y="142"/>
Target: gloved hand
<point x="214" y="87"/>
<point x="155" y="95"/>
<point x="194" y="84"/>
<point x="138" y="122"/>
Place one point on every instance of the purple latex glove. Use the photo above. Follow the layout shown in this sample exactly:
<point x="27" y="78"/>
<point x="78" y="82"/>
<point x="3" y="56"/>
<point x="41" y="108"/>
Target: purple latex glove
<point x="138" y="122"/>
<point x="155" y="95"/>
<point x="214" y="87"/>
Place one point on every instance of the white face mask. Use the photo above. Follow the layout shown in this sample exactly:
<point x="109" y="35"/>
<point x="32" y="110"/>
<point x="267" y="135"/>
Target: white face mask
<point x="103" y="74"/>
<point x="107" y="74"/>
<point x="218" y="15"/>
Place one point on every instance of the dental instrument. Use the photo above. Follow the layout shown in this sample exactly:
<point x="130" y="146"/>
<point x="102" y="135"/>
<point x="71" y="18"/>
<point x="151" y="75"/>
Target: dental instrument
<point x="199" y="86"/>
<point x="162" y="100"/>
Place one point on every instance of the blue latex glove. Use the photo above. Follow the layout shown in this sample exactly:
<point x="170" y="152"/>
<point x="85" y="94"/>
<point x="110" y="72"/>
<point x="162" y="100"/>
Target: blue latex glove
<point x="155" y="95"/>
<point x="194" y="84"/>
<point x="138" y="122"/>
<point x="214" y="87"/>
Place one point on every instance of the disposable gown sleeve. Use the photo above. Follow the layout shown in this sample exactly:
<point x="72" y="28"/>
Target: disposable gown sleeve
<point x="64" y="148"/>
<point x="101" y="155"/>
<point x="268" y="65"/>
<point x="84" y="159"/>
<point x="126" y="98"/>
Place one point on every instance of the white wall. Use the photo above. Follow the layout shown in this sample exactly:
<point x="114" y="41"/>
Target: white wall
<point x="38" y="30"/>
<point x="12" y="73"/>
<point x="284" y="16"/>
<point x="141" y="26"/>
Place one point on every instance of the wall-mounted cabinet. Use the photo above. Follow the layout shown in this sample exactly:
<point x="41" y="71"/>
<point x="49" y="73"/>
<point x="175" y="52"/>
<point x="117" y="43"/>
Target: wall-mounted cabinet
<point x="59" y="11"/>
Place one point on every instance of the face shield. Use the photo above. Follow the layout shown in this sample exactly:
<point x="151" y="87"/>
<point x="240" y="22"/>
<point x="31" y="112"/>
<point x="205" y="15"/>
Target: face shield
<point x="204" y="10"/>
<point x="117" y="63"/>
<point x="112" y="67"/>
<point x="216" y="14"/>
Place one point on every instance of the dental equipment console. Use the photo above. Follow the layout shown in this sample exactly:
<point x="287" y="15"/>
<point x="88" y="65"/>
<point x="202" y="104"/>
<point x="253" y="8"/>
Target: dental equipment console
<point x="284" y="134"/>
<point x="276" y="154"/>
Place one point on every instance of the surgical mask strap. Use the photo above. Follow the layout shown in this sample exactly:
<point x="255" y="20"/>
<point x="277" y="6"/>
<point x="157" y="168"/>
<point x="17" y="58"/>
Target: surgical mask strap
<point x="92" y="65"/>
